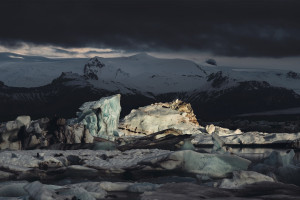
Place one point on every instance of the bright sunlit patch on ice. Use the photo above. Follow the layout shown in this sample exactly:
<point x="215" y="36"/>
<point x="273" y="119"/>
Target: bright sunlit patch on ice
<point x="17" y="57"/>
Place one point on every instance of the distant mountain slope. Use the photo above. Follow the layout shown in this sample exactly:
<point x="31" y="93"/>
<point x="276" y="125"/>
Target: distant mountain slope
<point x="245" y="97"/>
<point x="34" y="71"/>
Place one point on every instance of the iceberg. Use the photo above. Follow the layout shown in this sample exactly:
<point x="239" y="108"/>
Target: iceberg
<point x="161" y="116"/>
<point x="101" y="117"/>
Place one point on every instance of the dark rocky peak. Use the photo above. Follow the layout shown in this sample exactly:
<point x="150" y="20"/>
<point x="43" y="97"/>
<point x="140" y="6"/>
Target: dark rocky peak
<point x="217" y="79"/>
<point x="293" y="75"/>
<point x="1" y="84"/>
<point x="211" y="61"/>
<point x="92" y="68"/>
<point x="95" y="62"/>
<point x="68" y="76"/>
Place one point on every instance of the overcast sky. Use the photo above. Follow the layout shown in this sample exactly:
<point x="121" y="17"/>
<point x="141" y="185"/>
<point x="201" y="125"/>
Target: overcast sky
<point x="236" y="29"/>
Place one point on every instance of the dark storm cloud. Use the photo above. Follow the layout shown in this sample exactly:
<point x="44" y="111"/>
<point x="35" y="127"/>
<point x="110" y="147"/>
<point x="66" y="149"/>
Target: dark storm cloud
<point x="222" y="27"/>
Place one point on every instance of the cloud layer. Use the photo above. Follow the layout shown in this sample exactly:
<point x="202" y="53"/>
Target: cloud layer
<point x="51" y="51"/>
<point x="257" y="28"/>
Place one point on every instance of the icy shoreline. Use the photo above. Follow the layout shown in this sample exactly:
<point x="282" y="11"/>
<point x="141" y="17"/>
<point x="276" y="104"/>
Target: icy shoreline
<point x="150" y="153"/>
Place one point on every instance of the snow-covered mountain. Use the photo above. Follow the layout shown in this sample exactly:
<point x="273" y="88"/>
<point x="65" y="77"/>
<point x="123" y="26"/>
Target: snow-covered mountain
<point x="141" y="72"/>
<point x="30" y="85"/>
<point x="275" y="77"/>
<point x="145" y="74"/>
<point x="148" y="74"/>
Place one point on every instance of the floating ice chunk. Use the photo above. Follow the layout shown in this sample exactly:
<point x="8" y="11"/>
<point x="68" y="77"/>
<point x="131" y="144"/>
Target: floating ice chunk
<point x="279" y="159"/>
<point x="243" y="178"/>
<point x="219" y="145"/>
